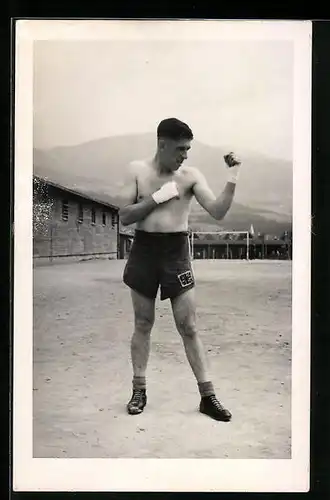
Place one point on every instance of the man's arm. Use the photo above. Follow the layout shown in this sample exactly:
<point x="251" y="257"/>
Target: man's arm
<point x="217" y="207"/>
<point x="137" y="212"/>
<point x="131" y="210"/>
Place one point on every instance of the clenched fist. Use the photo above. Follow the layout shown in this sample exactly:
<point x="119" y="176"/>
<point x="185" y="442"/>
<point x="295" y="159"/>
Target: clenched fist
<point x="231" y="160"/>
<point x="233" y="166"/>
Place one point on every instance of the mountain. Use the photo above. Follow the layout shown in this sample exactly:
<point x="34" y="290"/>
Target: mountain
<point x="263" y="196"/>
<point x="240" y="218"/>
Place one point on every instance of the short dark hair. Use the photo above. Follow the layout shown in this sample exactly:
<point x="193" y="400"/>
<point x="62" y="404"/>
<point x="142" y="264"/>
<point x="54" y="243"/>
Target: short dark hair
<point x="172" y="128"/>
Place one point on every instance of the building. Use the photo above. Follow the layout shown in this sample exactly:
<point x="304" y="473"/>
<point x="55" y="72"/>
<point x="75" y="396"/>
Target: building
<point x="237" y="249"/>
<point x="69" y="223"/>
<point x="125" y="241"/>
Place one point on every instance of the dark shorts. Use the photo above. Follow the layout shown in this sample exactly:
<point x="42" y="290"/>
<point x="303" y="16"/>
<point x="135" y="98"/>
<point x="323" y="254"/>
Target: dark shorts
<point x="159" y="260"/>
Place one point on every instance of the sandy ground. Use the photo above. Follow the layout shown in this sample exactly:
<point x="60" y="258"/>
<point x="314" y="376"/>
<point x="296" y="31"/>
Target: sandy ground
<point x="82" y="374"/>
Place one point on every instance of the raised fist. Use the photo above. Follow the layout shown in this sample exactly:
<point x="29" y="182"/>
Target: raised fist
<point x="233" y="167"/>
<point x="231" y="160"/>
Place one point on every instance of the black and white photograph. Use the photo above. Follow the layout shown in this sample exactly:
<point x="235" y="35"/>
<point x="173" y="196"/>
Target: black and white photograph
<point x="162" y="239"/>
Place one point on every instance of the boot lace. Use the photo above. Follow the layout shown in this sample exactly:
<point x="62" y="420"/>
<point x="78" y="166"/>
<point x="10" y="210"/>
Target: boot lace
<point x="137" y="396"/>
<point x="216" y="403"/>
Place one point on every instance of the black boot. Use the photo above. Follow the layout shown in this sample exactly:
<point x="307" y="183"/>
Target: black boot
<point x="212" y="407"/>
<point x="137" y="402"/>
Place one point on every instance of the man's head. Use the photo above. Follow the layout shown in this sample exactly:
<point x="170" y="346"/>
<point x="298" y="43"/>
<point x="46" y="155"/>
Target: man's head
<point x="174" y="138"/>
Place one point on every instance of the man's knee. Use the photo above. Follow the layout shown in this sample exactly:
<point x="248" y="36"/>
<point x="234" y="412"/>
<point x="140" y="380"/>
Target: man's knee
<point x="144" y="323"/>
<point x="187" y="328"/>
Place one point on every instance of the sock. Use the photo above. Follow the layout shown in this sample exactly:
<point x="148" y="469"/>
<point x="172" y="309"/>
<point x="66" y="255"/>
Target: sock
<point x="206" y="389"/>
<point x="139" y="382"/>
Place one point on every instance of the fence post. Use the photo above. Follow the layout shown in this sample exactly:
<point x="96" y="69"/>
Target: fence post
<point x="51" y="243"/>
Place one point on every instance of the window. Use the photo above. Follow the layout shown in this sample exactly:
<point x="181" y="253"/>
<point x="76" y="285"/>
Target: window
<point x="80" y="213"/>
<point x="93" y="215"/>
<point x="113" y="220"/>
<point x="65" y="210"/>
<point x="104" y="218"/>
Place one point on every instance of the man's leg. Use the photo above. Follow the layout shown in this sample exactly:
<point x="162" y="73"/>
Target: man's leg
<point x="144" y="317"/>
<point x="184" y="311"/>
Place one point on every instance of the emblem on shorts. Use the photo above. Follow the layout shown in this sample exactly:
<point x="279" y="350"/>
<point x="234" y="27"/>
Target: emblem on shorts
<point x="186" y="278"/>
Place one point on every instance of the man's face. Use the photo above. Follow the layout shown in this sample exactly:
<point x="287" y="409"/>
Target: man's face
<point x="173" y="153"/>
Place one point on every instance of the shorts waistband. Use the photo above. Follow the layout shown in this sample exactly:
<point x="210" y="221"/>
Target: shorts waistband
<point x="159" y="235"/>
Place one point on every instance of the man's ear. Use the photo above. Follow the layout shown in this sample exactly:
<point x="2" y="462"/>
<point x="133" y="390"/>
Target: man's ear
<point x="161" y="144"/>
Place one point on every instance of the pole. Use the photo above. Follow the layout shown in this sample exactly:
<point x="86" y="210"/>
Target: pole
<point x="192" y="245"/>
<point x="51" y="242"/>
<point x="118" y="236"/>
<point x="247" y="246"/>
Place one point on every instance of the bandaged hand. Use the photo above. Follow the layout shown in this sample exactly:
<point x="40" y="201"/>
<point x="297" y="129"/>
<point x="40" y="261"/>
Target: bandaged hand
<point x="166" y="192"/>
<point x="233" y="167"/>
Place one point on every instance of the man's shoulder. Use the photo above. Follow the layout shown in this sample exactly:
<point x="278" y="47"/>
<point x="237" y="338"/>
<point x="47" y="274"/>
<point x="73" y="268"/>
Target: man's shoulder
<point x="191" y="171"/>
<point x="138" y="165"/>
<point x="143" y="162"/>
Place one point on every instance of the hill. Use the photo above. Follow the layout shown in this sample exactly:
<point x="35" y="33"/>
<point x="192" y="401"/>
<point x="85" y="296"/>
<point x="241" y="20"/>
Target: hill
<point x="263" y="196"/>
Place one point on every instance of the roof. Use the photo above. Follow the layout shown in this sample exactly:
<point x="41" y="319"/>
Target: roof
<point x="127" y="231"/>
<point x="198" y="242"/>
<point x="127" y="235"/>
<point x="75" y="192"/>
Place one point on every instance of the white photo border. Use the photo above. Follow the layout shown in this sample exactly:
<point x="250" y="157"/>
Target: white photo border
<point x="35" y="474"/>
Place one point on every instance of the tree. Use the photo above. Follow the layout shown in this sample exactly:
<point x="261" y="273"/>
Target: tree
<point x="42" y="207"/>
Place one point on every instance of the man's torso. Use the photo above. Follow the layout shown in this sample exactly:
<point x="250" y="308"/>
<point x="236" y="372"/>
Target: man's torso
<point x="171" y="216"/>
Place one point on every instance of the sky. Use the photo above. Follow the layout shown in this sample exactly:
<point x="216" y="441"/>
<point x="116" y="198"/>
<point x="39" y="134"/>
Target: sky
<point x="236" y="94"/>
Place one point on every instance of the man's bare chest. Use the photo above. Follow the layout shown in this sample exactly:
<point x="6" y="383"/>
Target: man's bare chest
<point x="148" y="184"/>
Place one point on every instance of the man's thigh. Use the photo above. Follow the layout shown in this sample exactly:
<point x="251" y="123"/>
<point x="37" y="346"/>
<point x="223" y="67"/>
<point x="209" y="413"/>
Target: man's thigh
<point x="144" y="308"/>
<point x="176" y="278"/>
<point x="184" y="308"/>
<point x="141" y="273"/>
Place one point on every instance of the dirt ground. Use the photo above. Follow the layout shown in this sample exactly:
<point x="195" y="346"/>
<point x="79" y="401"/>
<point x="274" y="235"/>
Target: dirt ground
<point x="83" y="323"/>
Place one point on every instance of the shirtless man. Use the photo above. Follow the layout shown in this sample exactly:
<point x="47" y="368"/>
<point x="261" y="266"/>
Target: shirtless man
<point x="157" y="196"/>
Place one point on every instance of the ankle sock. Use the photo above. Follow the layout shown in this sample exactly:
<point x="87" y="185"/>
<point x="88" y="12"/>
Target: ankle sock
<point x="206" y="389"/>
<point x="139" y="382"/>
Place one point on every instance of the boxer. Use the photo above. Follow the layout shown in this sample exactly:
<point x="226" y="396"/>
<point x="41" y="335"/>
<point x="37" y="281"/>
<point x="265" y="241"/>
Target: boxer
<point x="156" y="197"/>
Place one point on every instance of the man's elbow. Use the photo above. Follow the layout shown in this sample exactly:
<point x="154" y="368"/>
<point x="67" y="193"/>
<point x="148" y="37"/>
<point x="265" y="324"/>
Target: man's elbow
<point x="124" y="222"/>
<point x="219" y="216"/>
<point x="124" y="217"/>
<point x="219" y="213"/>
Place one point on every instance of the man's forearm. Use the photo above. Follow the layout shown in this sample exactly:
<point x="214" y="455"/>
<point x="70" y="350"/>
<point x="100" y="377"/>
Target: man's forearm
<point x="137" y="212"/>
<point x="223" y="203"/>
